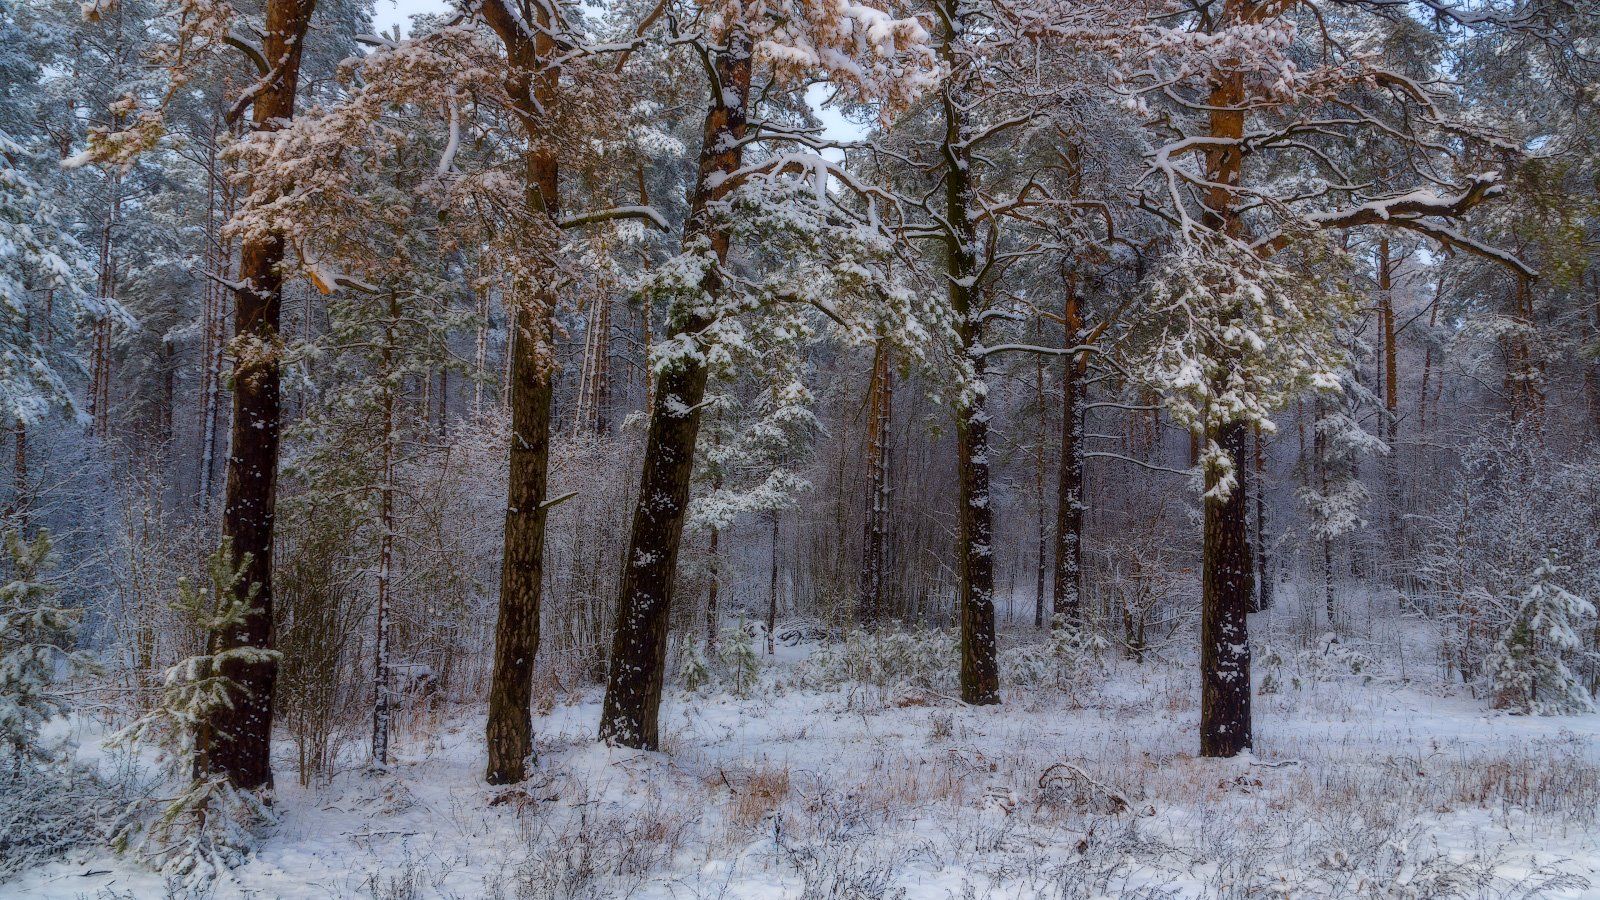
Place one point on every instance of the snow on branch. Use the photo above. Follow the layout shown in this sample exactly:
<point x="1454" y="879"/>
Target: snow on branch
<point x="1414" y="211"/>
<point x="618" y="212"/>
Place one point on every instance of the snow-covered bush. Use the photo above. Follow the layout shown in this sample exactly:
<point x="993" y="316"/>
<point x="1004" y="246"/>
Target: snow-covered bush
<point x="1528" y="666"/>
<point x="1070" y="652"/>
<point x="209" y="826"/>
<point x="1515" y="503"/>
<point x="890" y="660"/>
<point x="36" y="637"/>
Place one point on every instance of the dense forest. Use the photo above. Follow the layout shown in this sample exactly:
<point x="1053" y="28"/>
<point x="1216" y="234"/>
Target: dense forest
<point x="713" y="447"/>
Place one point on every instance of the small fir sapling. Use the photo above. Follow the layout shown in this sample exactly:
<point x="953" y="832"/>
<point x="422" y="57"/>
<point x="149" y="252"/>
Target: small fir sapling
<point x="692" y="668"/>
<point x="741" y="664"/>
<point x="209" y="826"/>
<point x="1528" y="665"/>
<point x="38" y="638"/>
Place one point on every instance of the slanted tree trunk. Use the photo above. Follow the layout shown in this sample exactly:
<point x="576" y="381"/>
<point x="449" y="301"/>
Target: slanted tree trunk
<point x="237" y="737"/>
<point x="1225" y="606"/>
<point x="630" y="715"/>
<point x="509" y="729"/>
<point x="1069" y="482"/>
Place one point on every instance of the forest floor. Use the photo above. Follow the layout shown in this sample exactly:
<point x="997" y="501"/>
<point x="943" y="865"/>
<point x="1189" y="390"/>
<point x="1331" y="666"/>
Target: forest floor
<point x="1360" y="786"/>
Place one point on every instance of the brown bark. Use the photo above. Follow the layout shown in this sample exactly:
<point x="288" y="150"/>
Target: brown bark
<point x="1225" y="725"/>
<point x="1225" y="728"/>
<point x="237" y="738"/>
<point x="509" y="728"/>
<point x="630" y="715"/>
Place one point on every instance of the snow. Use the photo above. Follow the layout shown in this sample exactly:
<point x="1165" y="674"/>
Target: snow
<point x="882" y="789"/>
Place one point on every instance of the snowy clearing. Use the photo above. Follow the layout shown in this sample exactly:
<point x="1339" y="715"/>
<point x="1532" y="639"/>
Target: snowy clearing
<point x="1356" y="789"/>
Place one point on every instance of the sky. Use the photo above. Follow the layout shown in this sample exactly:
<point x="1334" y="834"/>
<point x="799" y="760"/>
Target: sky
<point x="389" y="13"/>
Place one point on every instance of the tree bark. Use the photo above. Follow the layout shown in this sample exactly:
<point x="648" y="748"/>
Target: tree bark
<point x="238" y="737"/>
<point x="509" y="729"/>
<point x="631" y="713"/>
<point x="382" y="706"/>
<point x="1264" y="597"/>
<point x="980" y="678"/>
<point x="772" y="592"/>
<point x="1069" y="482"/>
<point x="880" y="398"/>
<point x="1225" y="728"/>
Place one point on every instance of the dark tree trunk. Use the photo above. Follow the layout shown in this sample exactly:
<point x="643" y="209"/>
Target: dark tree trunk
<point x="509" y="730"/>
<point x="711" y="592"/>
<point x="1069" y="484"/>
<point x="772" y="592"/>
<point x="1040" y="563"/>
<point x="630" y="716"/>
<point x="980" y="678"/>
<point x="1225" y="606"/>
<point x="1264" y="597"/>
<point x="237" y="738"/>
<point x="880" y="397"/>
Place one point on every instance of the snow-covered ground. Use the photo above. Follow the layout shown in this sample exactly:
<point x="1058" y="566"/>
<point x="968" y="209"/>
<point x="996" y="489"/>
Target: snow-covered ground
<point x="1356" y="789"/>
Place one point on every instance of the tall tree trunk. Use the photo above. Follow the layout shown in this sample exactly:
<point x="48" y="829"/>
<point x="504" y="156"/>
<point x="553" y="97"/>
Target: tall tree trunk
<point x="1228" y="570"/>
<point x="1069" y="480"/>
<point x="1040" y="563"/>
<point x="880" y="399"/>
<point x="382" y="701"/>
<point x="980" y="676"/>
<point x="772" y="592"/>
<point x="714" y="553"/>
<point x="1427" y="357"/>
<point x="1391" y="368"/>
<point x="529" y="393"/>
<point x="1225" y="607"/>
<point x="238" y="736"/>
<point x="1264" y="597"/>
<point x="631" y="712"/>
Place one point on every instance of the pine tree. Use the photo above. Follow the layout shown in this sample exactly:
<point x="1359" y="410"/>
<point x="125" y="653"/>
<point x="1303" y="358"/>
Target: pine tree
<point x="36" y="636"/>
<point x="1528" y="666"/>
<point x="211" y="825"/>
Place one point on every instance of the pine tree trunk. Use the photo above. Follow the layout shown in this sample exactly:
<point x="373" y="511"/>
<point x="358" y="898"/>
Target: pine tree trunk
<point x="381" y="682"/>
<point x="1264" y="597"/>
<point x="1040" y="563"/>
<point x="713" y="552"/>
<point x="630" y="716"/>
<point x="508" y="732"/>
<point x="1069" y="481"/>
<point x="1225" y="728"/>
<point x="980" y="678"/>
<point x="772" y="592"/>
<point x="880" y="398"/>
<point x="237" y="739"/>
